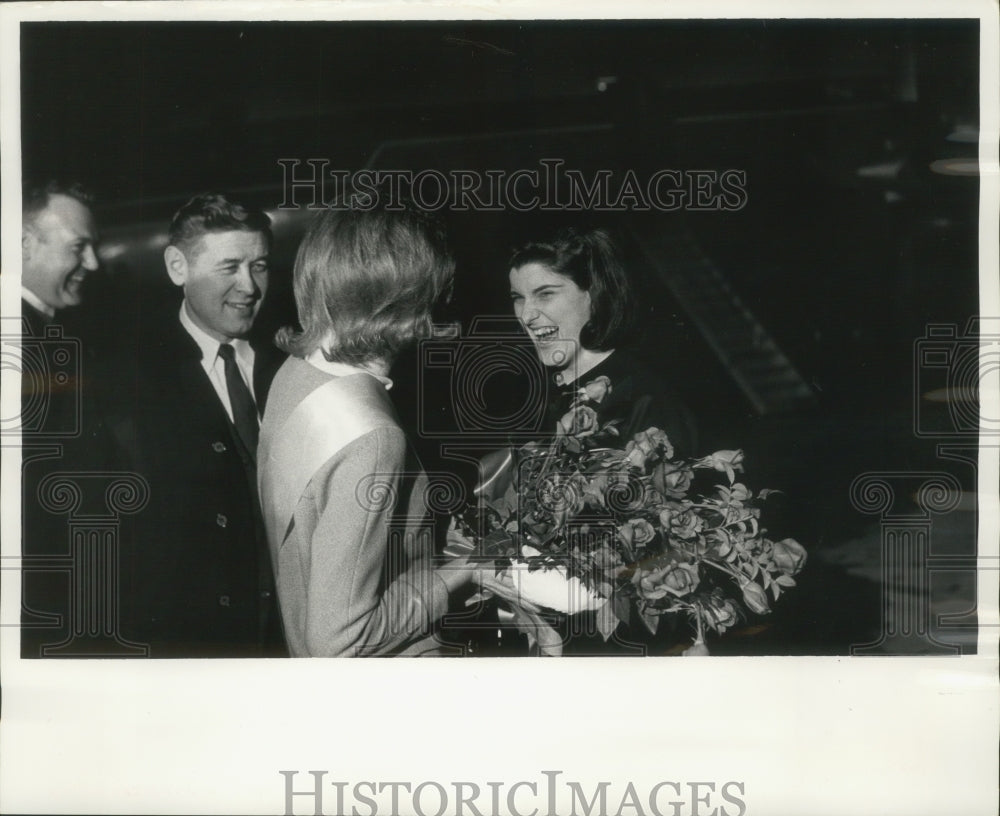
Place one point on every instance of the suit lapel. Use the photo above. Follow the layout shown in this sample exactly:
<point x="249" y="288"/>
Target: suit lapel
<point x="197" y="398"/>
<point x="35" y="320"/>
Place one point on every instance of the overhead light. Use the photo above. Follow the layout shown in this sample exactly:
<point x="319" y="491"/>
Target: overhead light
<point x="884" y="170"/>
<point x="955" y="167"/>
<point x="965" y="133"/>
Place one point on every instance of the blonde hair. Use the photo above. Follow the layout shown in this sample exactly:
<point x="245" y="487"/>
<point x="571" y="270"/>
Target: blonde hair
<point x="366" y="281"/>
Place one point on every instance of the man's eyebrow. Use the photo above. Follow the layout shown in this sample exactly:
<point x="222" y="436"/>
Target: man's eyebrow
<point x="229" y="261"/>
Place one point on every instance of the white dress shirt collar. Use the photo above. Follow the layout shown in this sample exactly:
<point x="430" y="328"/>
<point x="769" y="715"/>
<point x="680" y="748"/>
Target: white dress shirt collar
<point x="37" y="302"/>
<point x="210" y="346"/>
<point x="214" y="366"/>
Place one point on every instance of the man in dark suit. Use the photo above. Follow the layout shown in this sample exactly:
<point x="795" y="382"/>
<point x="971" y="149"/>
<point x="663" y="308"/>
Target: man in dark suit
<point x="181" y="410"/>
<point x="58" y="254"/>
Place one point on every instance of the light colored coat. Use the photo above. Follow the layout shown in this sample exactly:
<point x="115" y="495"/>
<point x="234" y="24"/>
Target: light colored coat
<point x="344" y="506"/>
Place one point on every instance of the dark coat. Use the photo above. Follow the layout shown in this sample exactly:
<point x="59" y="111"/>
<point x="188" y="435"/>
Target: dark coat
<point x="35" y="320"/>
<point x="57" y="438"/>
<point x="195" y="577"/>
<point x="640" y="398"/>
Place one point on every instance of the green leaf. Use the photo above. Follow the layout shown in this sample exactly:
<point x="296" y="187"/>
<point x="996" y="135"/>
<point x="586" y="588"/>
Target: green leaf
<point x="498" y="543"/>
<point x="623" y="609"/>
<point x="607" y="621"/>
<point x="785" y="580"/>
<point x="650" y="620"/>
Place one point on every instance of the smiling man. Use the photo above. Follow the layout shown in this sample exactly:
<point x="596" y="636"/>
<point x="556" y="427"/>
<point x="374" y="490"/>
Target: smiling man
<point x="182" y="410"/>
<point x="58" y="250"/>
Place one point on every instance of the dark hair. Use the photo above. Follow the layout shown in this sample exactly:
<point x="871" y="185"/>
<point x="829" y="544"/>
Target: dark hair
<point x="366" y="280"/>
<point x="591" y="260"/>
<point x="35" y="197"/>
<point x="214" y="212"/>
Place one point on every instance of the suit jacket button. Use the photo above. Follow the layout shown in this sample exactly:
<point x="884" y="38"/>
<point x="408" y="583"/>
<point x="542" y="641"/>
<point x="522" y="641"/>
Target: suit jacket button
<point x="218" y="447"/>
<point x="221" y="520"/>
<point x="223" y="600"/>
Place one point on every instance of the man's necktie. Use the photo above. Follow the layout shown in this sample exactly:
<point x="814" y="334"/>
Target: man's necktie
<point x="241" y="401"/>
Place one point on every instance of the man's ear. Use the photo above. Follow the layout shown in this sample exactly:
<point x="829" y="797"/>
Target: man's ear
<point x="28" y="241"/>
<point x="177" y="266"/>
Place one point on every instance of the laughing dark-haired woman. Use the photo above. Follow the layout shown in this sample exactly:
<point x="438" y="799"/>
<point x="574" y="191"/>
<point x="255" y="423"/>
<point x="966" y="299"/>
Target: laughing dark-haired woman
<point x="574" y="298"/>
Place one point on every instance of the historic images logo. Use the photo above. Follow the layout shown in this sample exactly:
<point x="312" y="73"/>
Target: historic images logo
<point x="549" y="187"/>
<point x="528" y="797"/>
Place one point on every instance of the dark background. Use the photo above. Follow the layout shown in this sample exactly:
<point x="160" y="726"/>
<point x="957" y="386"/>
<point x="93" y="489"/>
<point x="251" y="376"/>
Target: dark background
<point x="854" y="237"/>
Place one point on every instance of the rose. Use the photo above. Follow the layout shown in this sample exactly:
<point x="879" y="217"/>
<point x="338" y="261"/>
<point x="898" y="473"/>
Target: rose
<point x="722" y="613"/>
<point x="675" y="579"/>
<point x="646" y="443"/>
<point x="595" y="390"/>
<point x="789" y="556"/>
<point x="672" y="479"/>
<point x="739" y="492"/>
<point x="681" y="579"/>
<point x="724" y="461"/>
<point x="637" y="532"/>
<point x="649" y="583"/>
<point x="580" y="422"/>
<point x="681" y="522"/>
<point x="668" y="511"/>
<point x="755" y="597"/>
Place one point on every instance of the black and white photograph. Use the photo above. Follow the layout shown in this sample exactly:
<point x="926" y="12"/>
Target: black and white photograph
<point x="494" y="337"/>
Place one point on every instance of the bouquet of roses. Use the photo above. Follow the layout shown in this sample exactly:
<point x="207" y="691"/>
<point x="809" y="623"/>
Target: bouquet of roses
<point x="584" y="524"/>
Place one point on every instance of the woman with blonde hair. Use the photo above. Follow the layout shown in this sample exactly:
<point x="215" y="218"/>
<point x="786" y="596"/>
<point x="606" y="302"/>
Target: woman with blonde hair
<point x="342" y="494"/>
